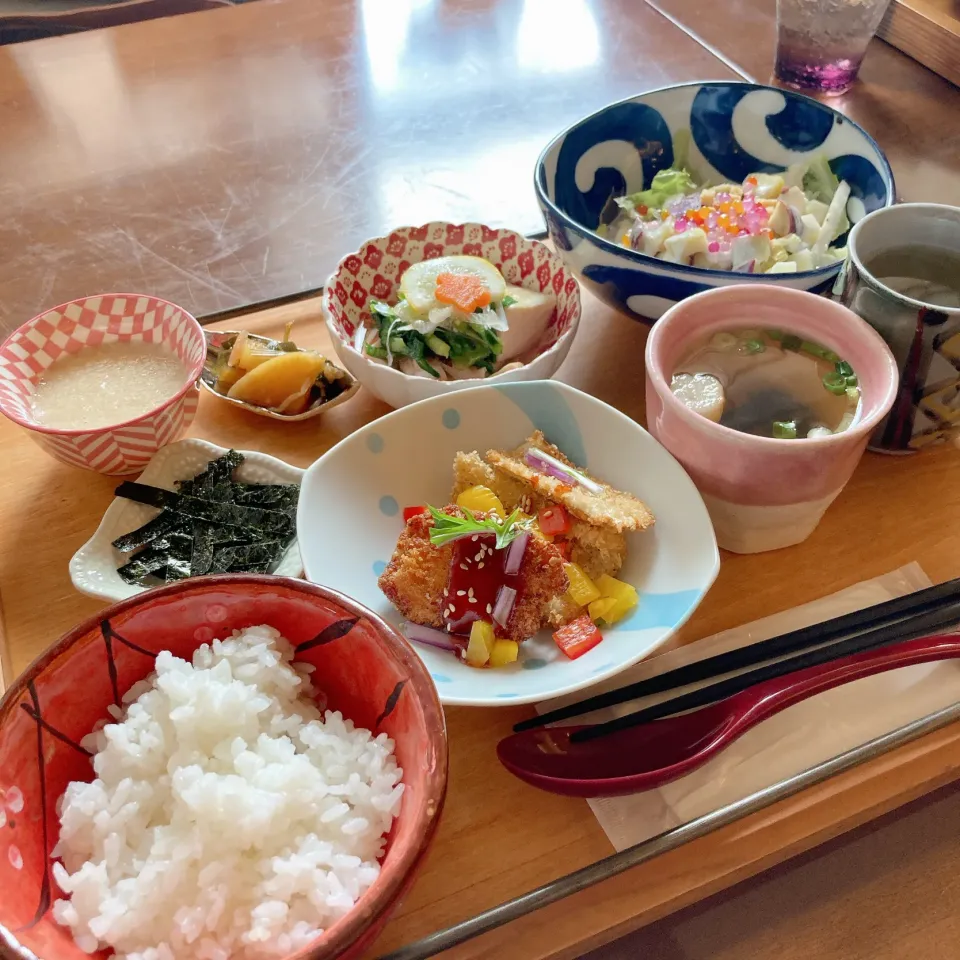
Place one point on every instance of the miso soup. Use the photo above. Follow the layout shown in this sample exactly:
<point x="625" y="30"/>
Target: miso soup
<point x="768" y="383"/>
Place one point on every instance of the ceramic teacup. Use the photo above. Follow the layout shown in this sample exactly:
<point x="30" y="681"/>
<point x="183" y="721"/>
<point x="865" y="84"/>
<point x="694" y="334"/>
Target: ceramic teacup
<point x="763" y="493"/>
<point x="918" y="318"/>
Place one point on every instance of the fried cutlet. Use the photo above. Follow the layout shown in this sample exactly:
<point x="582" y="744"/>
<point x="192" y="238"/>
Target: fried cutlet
<point x="608" y="508"/>
<point x="419" y="572"/>
<point x="597" y="550"/>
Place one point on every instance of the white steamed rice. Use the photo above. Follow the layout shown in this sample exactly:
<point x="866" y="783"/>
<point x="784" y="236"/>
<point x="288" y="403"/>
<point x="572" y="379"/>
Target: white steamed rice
<point x="228" y="817"/>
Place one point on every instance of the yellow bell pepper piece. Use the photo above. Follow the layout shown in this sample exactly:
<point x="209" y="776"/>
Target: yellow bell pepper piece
<point x="624" y="595"/>
<point x="480" y="499"/>
<point x="480" y="644"/>
<point x="599" y="609"/>
<point x="504" y="652"/>
<point x="582" y="589"/>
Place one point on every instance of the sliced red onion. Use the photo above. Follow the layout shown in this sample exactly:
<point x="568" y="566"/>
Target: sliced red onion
<point x="428" y="635"/>
<point x="515" y="552"/>
<point x="502" y="609"/>
<point x="552" y="467"/>
<point x="796" y="224"/>
<point x="747" y="267"/>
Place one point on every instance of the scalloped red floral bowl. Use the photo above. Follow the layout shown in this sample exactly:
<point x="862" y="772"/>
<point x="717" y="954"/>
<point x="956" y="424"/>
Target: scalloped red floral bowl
<point x="366" y="669"/>
<point x="374" y="272"/>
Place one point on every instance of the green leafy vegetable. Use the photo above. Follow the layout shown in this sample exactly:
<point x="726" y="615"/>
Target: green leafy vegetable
<point x="819" y="181"/>
<point x="508" y="301"/>
<point x="784" y="430"/>
<point x="466" y="345"/>
<point x="447" y="529"/>
<point x="666" y="184"/>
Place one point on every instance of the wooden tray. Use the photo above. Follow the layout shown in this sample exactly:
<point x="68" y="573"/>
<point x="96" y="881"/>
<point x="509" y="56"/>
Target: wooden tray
<point x="505" y="853"/>
<point x="928" y="31"/>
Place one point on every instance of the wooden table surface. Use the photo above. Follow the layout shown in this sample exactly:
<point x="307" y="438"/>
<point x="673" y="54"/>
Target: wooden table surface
<point x="233" y="156"/>
<point x="483" y="856"/>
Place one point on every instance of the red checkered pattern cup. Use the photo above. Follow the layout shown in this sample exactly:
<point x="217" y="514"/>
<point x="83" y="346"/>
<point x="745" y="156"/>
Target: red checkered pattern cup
<point x="124" y="448"/>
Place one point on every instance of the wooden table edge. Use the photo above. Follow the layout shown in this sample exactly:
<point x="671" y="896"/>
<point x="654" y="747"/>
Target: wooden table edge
<point x="613" y="908"/>
<point x="929" y="35"/>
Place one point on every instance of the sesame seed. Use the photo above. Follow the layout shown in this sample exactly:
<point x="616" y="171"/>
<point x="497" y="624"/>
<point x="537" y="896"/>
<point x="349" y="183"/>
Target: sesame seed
<point x="470" y="592"/>
<point x="462" y="593"/>
<point x="446" y="592"/>
<point x="479" y="556"/>
<point x="475" y="537"/>
<point x="463" y="566"/>
<point x="480" y="565"/>
<point x="489" y="608"/>
<point x="472" y="599"/>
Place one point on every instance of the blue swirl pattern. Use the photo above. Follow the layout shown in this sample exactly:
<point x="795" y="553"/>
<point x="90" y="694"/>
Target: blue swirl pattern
<point x="633" y="123"/>
<point x="643" y="129"/>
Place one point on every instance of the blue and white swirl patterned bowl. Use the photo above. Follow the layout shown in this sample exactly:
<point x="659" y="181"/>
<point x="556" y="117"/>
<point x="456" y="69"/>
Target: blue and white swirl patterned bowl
<point x="352" y="499"/>
<point x="735" y="129"/>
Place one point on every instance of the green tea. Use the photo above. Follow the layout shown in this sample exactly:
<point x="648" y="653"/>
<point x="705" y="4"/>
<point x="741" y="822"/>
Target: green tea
<point x="925" y="273"/>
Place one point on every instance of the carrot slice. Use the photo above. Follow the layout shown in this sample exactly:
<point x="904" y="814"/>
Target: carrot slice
<point x="462" y="290"/>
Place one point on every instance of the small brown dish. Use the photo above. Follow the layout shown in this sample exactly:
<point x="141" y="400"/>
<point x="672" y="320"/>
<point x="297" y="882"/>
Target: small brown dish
<point x="332" y="387"/>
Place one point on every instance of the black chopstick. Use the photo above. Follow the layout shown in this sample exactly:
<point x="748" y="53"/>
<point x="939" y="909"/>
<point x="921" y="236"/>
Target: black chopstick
<point x="839" y="628"/>
<point x="947" y="614"/>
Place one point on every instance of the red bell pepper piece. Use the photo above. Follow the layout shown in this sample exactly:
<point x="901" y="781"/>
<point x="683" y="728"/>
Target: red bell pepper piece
<point x="578" y="637"/>
<point x="554" y="520"/>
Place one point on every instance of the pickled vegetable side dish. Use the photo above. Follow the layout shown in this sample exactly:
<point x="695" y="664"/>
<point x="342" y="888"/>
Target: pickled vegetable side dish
<point x="274" y="374"/>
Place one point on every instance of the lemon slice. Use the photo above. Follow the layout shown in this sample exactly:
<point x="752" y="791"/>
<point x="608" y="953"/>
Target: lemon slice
<point x="419" y="283"/>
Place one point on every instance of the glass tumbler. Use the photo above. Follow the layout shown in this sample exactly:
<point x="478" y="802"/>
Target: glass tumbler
<point x="821" y="43"/>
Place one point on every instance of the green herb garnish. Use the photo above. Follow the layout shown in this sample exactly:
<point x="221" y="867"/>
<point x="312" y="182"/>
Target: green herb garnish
<point x="835" y="382"/>
<point x="784" y="430"/>
<point x="508" y="301"/>
<point x="446" y="528"/>
<point x="467" y="345"/>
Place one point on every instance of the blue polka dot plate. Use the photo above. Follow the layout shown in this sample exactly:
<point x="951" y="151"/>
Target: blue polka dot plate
<point x="351" y="513"/>
<point x="733" y="130"/>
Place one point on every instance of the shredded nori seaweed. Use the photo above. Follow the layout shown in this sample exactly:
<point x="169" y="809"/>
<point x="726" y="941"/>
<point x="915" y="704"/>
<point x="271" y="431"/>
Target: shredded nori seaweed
<point x="214" y="524"/>
<point x="204" y="539"/>
<point x="162" y="523"/>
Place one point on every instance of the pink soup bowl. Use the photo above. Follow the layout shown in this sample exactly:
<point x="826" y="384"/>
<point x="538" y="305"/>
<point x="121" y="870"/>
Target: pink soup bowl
<point x="121" y="448"/>
<point x="364" y="668"/>
<point x="762" y="493"/>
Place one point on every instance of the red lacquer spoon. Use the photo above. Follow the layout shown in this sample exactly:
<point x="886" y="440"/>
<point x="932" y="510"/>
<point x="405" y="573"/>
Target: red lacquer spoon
<point x="647" y="756"/>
